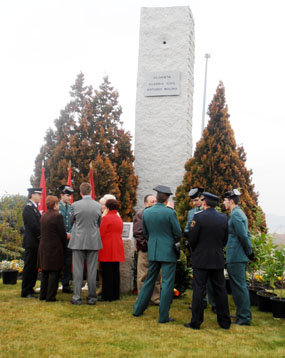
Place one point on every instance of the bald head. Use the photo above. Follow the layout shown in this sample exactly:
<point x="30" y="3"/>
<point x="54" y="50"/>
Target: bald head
<point x="149" y="200"/>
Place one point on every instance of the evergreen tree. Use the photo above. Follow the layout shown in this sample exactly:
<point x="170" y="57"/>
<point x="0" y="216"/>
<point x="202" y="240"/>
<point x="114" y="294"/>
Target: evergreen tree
<point x="218" y="165"/>
<point x="88" y="130"/>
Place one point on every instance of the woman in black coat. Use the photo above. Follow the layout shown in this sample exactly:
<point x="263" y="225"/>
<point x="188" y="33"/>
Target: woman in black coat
<point x="51" y="249"/>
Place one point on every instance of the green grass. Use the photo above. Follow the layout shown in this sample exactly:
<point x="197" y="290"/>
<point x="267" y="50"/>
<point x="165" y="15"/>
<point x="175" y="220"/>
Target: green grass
<point x="33" y="328"/>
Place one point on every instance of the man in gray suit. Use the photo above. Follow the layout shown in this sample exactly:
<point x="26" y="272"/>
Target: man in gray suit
<point x="85" y="242"/>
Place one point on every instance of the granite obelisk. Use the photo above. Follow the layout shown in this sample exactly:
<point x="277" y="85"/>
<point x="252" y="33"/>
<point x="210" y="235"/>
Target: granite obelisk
<point x="164" y="101"/>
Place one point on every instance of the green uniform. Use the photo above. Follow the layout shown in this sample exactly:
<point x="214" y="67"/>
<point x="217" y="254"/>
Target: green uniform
<point x="161" y="228"/>
<point x="65" y="211"/>
<point x="190" y="217"/>
<point x="238" y="249"/>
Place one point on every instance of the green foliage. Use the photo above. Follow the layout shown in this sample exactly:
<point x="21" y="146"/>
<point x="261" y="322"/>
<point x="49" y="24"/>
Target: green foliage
<point x="269" y="263"/>
<point x="89" y="130"/>
<point x="182" y="275"/>
<point x="218" y="165"/>
<point x="11" y="226"/>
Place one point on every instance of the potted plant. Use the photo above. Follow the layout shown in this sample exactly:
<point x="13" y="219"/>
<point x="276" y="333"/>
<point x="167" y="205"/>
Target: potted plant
<point x="10" y="270"/>
<point x="278" y="279"/>
<point x="255" y="274"/>
<point x="264" y="301"/>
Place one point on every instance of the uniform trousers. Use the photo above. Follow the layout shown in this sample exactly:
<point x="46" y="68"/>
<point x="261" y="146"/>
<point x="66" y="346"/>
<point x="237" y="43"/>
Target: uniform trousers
<point x="142" y="269"/>
<point x="49" y="285"/>
<point x="67" y="274"/>
<point x="30" y="272"/>
<point x="110" y="281"/>
<point x="78" y="257"/>
<point x="220" y="295"/>
<point x="167" y="286"/>
<point x="237" y="276"/>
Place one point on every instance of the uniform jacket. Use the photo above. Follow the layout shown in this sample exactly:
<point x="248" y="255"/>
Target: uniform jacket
<point x="85" y="220"/>
<point x="239" y="243"/>
<point x="208" y="236"/>
<point x="138" y="232"/>
<point x="31" y="217"/>
<point x="52" y="242"/>
<point x="111" y="230"/>
<point x="65" y="211"/>
<point x="161" y="228"/>
<point x="190" y="217"/>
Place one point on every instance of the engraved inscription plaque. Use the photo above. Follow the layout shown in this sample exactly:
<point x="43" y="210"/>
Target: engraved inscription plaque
<point x="162" y="84"/>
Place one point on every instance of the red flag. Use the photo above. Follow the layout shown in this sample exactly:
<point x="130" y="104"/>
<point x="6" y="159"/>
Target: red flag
<point x="42" y="207"/>
<point x="91" y="181"/>
<point x="69" y="182"/>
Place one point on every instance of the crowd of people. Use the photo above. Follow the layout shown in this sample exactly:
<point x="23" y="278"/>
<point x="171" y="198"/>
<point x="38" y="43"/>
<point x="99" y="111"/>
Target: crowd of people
<point x="87" y="236"/>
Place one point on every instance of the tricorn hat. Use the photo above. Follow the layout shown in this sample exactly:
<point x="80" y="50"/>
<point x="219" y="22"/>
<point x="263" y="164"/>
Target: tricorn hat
<point x="232" y="193"/>
<point x="35" y="190"/>
<point x="65" y="189"/>
<point x="163" y="189"/>
<point x="195" y="192"/>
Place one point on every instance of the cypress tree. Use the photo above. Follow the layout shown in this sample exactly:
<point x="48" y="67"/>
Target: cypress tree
<point x="218" y="165"/>
<point x="89" y="129"/>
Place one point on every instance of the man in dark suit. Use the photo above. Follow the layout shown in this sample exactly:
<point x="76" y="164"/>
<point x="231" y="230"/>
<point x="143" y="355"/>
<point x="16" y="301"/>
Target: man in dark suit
<point x="142" y="266"/>
<point x="31" y="217"/>
<point x="162" y="230"/>
<point x="208" y="236"/>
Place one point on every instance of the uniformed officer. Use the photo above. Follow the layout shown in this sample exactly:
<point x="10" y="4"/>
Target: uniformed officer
<point x="238" y="253"/>
<point x="196" y="197"/>
<point x="208" y="236"/>
<point x="31" y="217"/>
<point x="65" y="210"/>
<point x="162" y="230"/>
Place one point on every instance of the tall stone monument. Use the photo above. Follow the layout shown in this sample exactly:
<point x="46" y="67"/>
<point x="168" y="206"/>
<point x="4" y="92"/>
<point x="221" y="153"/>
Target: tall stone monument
<point x="163" y="128"/>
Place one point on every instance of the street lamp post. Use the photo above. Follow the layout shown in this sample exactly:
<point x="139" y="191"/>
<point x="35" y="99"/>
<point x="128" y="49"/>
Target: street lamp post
<point x="207" y="56"/>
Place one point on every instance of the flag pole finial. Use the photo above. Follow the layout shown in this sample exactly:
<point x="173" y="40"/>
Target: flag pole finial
<point x="69" y="164"/>
<point x="43" y="163"/>
<point x="90" y="165"/>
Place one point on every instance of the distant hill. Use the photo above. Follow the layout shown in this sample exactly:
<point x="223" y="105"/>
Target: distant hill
<point x="275" y="224"/>
<point x="279" y="239"/>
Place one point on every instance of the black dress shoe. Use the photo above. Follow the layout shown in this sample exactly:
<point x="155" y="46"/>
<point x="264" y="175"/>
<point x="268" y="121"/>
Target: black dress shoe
<point x="91" y="302"/>
<point x="67" y="290"/>
<point x="77" y="303"/>
<point x="189" y="325"/>
<point x="29" y="296"/>
<point x="170" y="320"/>
<point x="51" y="300"/>
<point x="100" y="299"/>
<point x="239" y="323"/>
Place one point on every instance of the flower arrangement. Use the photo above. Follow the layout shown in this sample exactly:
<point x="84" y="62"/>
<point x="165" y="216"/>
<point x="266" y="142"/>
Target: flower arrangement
<point x="14" y="265"/>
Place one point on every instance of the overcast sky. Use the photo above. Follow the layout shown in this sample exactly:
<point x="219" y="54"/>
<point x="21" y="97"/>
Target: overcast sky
<point x="44" y="44"/>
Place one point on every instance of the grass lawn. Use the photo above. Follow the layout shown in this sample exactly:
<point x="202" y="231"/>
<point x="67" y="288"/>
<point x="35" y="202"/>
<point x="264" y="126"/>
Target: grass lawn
<point x="33" y="328"/>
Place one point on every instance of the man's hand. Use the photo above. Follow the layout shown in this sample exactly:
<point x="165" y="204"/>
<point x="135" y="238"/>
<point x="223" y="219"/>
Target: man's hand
<point x="177" y="249"/>
<point x="251" y="257"/>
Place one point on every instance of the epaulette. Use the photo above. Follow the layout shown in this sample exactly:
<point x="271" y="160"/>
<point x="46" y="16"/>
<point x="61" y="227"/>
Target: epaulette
<point x="198" y="212"/>
<point x="29" y="204"/>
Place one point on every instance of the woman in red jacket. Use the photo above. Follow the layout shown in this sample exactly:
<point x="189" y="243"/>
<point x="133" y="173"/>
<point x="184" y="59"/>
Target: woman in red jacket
<point x="112" y="254"/>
